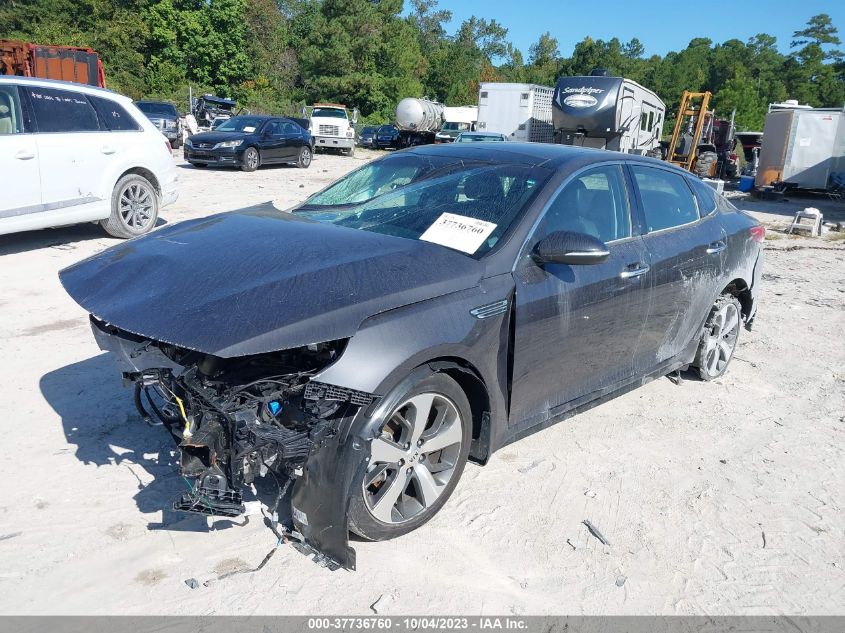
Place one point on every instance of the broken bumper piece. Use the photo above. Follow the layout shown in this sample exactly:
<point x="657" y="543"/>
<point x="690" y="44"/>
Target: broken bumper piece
<point x="236" y="419"/>
<point x="228" y="503"/>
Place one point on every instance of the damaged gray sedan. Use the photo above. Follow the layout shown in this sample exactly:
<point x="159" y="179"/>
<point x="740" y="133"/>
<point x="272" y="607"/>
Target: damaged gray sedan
<point x="425" y="310"/>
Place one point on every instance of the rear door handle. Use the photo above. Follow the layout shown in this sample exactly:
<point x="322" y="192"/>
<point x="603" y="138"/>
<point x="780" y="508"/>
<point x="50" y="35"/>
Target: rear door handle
<point x="25" y="155"/>
<point x="108" y="149"/>
<point x="716" y="247"/>
<point x="634" y="270"/>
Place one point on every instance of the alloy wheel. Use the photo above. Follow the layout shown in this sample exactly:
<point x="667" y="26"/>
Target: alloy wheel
<point x="137" y="206"/>
<point x="413" y="458"/>
<point x="252" y="159"/>
<point x="721" y="338"/>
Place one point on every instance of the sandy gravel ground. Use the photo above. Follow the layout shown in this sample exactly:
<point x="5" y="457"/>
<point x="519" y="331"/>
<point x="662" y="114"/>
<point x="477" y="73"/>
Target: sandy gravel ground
<point x="715" y="498"/>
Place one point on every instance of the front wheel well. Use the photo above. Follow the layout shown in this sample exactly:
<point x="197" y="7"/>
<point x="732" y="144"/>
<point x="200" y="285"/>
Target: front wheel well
<point x="472" y="384"/>
<point x="739" y="289"/>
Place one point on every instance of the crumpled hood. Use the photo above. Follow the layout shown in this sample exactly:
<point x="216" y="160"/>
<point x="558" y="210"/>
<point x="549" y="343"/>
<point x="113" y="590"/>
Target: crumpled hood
<point x="260" y="280"/>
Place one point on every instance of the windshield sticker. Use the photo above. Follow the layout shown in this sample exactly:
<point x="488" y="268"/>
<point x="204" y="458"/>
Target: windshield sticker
<point x="458" y="232"/>
<point x="249" y="129"/>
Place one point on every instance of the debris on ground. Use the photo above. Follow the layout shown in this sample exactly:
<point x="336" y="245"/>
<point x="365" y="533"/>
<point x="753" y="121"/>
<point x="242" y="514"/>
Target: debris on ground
<point x="620" y="580"/>
<point x="192" y="583"/>
<point x="590" y="493"/>
<point x="382" y="603"/>
<point x="595" y="532"/>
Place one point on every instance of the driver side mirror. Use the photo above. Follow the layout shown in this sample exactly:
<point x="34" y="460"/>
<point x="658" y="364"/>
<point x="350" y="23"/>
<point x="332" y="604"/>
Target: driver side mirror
<point x="567" y="247"/>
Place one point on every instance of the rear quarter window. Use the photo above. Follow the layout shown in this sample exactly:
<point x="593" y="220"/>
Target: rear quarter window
<point x="62" y="110"/>
<point x="115" y="117"/>
<point x="706" y="197"/>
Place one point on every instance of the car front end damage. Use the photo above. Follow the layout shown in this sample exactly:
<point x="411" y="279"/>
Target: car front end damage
<point x="237" y="419"/>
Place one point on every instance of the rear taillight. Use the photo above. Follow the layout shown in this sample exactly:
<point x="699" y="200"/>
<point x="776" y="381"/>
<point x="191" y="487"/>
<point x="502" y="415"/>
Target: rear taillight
<point x="758" y="233"/>
<point x="168" y="146"/>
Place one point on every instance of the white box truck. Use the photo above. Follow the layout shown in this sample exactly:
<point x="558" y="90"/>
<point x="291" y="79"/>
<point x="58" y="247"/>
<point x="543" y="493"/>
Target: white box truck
<point x="332" y="127"/>
<point x="522" y="112"/>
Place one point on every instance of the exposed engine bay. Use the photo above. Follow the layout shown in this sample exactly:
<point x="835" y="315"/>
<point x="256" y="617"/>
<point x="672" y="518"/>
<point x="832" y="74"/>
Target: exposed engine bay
<point x="234" y="419"/>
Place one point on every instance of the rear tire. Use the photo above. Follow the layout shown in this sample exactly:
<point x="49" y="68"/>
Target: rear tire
<point x="251" y="159"/>
<point x="350" y="151"/>
<point x="134" y="207"/>
<point x="705" y="164"/>
<point x="416" y="460"/>
<point x="719" y="339"/>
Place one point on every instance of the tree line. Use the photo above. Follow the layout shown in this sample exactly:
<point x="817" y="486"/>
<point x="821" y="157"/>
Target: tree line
<point x="275" y="55"/>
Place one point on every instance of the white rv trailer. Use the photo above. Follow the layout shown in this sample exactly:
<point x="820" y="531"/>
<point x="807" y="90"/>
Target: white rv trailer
<point x="605" y="112"/>
<point x="522" y="112"/>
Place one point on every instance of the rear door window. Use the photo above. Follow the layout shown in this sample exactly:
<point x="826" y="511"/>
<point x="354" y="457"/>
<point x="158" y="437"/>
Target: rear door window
<point x="666" y="198"/>
<point x="290" y="129"/>
<point x="115" y="117"/>
<point x="62" y="110"/>
<point x="11" y="114"/>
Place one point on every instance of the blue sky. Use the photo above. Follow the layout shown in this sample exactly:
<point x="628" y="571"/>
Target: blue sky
<point x="660" y="26"/>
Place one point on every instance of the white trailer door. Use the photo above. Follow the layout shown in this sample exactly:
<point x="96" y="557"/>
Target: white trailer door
<point x="808" y="160"/>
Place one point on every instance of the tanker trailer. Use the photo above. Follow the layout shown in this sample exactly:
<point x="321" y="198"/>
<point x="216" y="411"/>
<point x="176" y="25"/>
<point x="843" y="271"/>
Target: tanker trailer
<point x="418" y="120"/>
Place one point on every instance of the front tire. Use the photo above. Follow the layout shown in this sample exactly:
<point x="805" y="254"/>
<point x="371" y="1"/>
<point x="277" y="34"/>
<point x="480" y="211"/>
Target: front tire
<point x="303" y="161"/>
<point x="719" y="339"/>
<point x="415" y="461"/>
<point x="134" y="207"/>
<point x="251" y="160"/>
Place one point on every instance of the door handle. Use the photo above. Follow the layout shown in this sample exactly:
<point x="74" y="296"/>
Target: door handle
<point x="716" y="247"/>
<point x="634" y="270"/>
<point x="25" y="155"/>
<point x="108" y="149"/>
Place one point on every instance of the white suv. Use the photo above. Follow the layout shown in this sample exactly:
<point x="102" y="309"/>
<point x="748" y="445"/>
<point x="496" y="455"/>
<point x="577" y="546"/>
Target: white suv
<point x="71" y="153"/>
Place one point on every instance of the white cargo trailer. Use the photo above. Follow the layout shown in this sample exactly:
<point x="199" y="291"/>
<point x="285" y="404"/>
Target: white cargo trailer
<point x="522" y="112"/>
<point x="803" y="148"/>
<point x="606" y="112"/>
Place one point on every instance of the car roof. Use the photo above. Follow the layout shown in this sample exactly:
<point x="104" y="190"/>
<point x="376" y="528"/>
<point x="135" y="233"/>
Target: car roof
<point x="170" y="103"/>
<point x="550" y="155"/>
<point x="63" y="85"/>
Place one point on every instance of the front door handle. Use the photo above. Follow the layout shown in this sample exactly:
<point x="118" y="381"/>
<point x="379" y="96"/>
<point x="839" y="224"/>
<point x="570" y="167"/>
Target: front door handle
<point x="25" y="155"/>
<point x="634" y="270"/>
<point x="108" y="149"/>
<point x="716" y="247"/>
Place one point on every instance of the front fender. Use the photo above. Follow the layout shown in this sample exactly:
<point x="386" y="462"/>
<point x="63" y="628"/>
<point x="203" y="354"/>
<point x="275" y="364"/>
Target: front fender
<point x="389" y="345"/>
<point x="320" y="498"/>
<point x="389" y="354"/>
